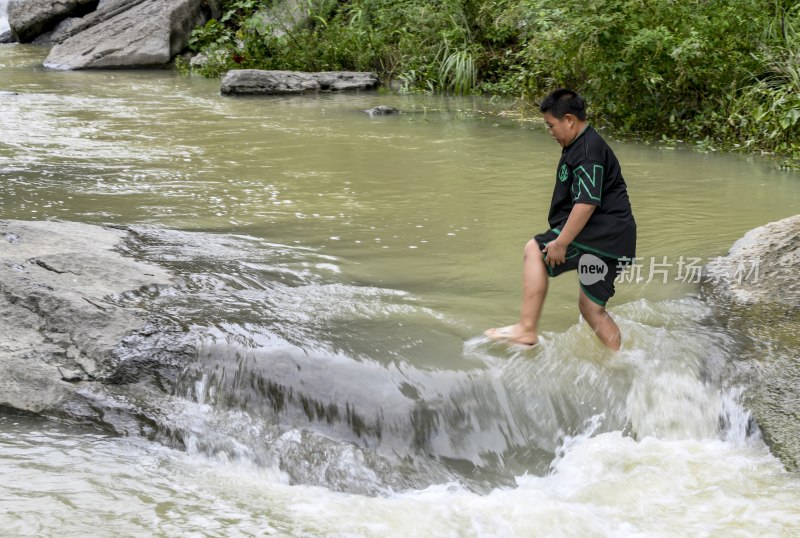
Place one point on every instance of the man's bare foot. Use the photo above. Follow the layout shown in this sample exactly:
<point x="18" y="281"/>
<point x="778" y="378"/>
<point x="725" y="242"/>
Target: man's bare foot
<point x="514" y="334"/>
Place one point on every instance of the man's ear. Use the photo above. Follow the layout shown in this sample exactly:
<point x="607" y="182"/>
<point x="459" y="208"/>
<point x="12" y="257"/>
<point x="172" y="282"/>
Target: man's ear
<point x="571" y="118"/>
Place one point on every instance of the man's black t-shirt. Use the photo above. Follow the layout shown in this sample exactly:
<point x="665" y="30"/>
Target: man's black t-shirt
<point x="589" y="173"/>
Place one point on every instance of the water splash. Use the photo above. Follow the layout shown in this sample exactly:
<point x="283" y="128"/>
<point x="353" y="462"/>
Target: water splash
<point x="4" y="16"/>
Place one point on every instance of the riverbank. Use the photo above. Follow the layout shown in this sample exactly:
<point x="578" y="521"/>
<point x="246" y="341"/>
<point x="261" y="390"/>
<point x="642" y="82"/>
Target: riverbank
<point x="717" y="77"/>
<point x="688" y="72"/>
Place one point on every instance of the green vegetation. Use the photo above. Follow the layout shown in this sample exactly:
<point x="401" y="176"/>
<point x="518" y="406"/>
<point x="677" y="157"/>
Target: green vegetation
<point x="719" y="73"/>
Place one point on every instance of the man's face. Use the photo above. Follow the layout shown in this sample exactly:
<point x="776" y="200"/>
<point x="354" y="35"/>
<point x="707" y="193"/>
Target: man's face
<point x="561" y="129"/>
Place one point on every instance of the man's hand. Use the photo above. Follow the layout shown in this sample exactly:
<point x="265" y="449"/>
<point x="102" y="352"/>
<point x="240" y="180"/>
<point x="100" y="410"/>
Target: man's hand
<point x="556" y="253"/>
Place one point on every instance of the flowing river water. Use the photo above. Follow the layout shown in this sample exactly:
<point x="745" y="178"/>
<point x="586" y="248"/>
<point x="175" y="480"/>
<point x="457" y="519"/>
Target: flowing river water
<point x="341" y="269"/>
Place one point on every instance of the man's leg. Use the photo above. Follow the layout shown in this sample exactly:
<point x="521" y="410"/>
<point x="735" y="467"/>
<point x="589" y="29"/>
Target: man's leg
<point x="534" y="290"/>
<point x="600" y="322"/>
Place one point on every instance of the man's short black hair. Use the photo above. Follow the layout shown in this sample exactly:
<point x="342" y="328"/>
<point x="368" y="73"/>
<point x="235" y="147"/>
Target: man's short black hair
<point x="562" y="102"/>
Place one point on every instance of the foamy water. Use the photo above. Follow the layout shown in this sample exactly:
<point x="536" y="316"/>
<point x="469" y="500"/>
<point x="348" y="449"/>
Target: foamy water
<point x="607" y="484"/>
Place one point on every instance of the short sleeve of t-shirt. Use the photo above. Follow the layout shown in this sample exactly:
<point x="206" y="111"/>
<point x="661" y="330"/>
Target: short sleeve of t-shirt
<point x="587" y="183"/>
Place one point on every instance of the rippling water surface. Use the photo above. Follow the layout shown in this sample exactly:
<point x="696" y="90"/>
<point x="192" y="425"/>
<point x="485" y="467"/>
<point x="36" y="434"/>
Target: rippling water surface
<point x="339" y="270"/>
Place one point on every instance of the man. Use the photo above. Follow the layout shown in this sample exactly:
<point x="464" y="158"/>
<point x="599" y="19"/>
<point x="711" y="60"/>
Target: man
<point x="591" y="226"/>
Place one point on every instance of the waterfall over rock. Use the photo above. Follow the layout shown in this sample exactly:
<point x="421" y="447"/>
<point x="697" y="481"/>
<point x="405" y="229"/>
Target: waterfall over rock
<point x="756" y="290"/>
<point x="5" y="31"/>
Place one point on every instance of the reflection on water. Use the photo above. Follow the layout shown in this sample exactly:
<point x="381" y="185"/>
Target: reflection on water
<point x="338" y="270"/>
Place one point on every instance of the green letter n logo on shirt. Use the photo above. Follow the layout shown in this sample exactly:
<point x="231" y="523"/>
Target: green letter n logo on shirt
<point x="586" y="185"/>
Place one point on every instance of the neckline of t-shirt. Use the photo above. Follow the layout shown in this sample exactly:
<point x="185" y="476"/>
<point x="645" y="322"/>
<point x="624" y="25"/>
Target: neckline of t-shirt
<point x="577" y="137"/>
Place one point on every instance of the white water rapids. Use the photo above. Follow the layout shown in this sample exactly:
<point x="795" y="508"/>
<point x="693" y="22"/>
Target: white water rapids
<point x="688" y="464"/>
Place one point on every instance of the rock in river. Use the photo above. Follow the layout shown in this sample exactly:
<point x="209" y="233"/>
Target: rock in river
<point x="7" y="37"/>
<point x="70" y="345"/>
<point x="756" y="289"/>
<point x="138" y="33"/>
<point x="259" y="82"/>
<point x="382" y="110"/>
<point x="30" y="18"/>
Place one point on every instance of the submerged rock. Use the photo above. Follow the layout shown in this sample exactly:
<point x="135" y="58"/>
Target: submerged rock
<point x="259" y="82"/>
<point x="756" y="288"/>
<point x="382" y="110"/>
<point x="138" y="33"/>
<point x="68" y="341"/>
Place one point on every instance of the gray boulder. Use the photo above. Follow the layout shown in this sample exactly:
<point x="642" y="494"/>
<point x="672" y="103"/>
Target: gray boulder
<point x="139" y="33"/>
<point x="69" y="345"/>
<point x="258" y="82"/>
<point x="7" y="37"/>
<point x="68" y="27"/>
<point x="776" y="249"/>
<point x="756" y="288"/>
<point x="284" y="15"/>
<point x="61" y="31"/>
<point x="215" y="57"/>
<point x="29" y="18"/>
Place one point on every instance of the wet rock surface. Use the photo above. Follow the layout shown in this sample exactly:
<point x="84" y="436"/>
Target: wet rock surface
<point x="260" y="82"/>
<point x="7" y="37"/>
<point x="227" y="345"/>
<point x="756" y="289"/>
<point x="91" y="333"/>
<point x="69" y="345"/>
<point x="139" y="33"/>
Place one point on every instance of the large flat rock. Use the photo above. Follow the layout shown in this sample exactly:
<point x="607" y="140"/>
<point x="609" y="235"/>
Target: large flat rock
<point x="66" y="335"/>
<point x="137" y="33"/>
<point x="260" y="82"/>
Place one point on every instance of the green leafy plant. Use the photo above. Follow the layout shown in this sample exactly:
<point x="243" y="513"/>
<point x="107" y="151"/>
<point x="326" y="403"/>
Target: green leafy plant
<point x="723" y="72"/>
<point x="458" y="72"/>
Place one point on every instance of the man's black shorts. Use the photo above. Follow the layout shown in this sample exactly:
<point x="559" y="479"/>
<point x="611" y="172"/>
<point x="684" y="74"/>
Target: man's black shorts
<point x="599" y="292"/>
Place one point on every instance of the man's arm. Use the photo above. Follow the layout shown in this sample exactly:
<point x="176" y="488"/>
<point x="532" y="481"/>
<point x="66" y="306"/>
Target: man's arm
<point x="557" y="250"/>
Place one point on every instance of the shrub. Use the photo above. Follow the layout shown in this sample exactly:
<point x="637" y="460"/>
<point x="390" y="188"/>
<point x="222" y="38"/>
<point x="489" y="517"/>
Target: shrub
<point x="723" y="71"/>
